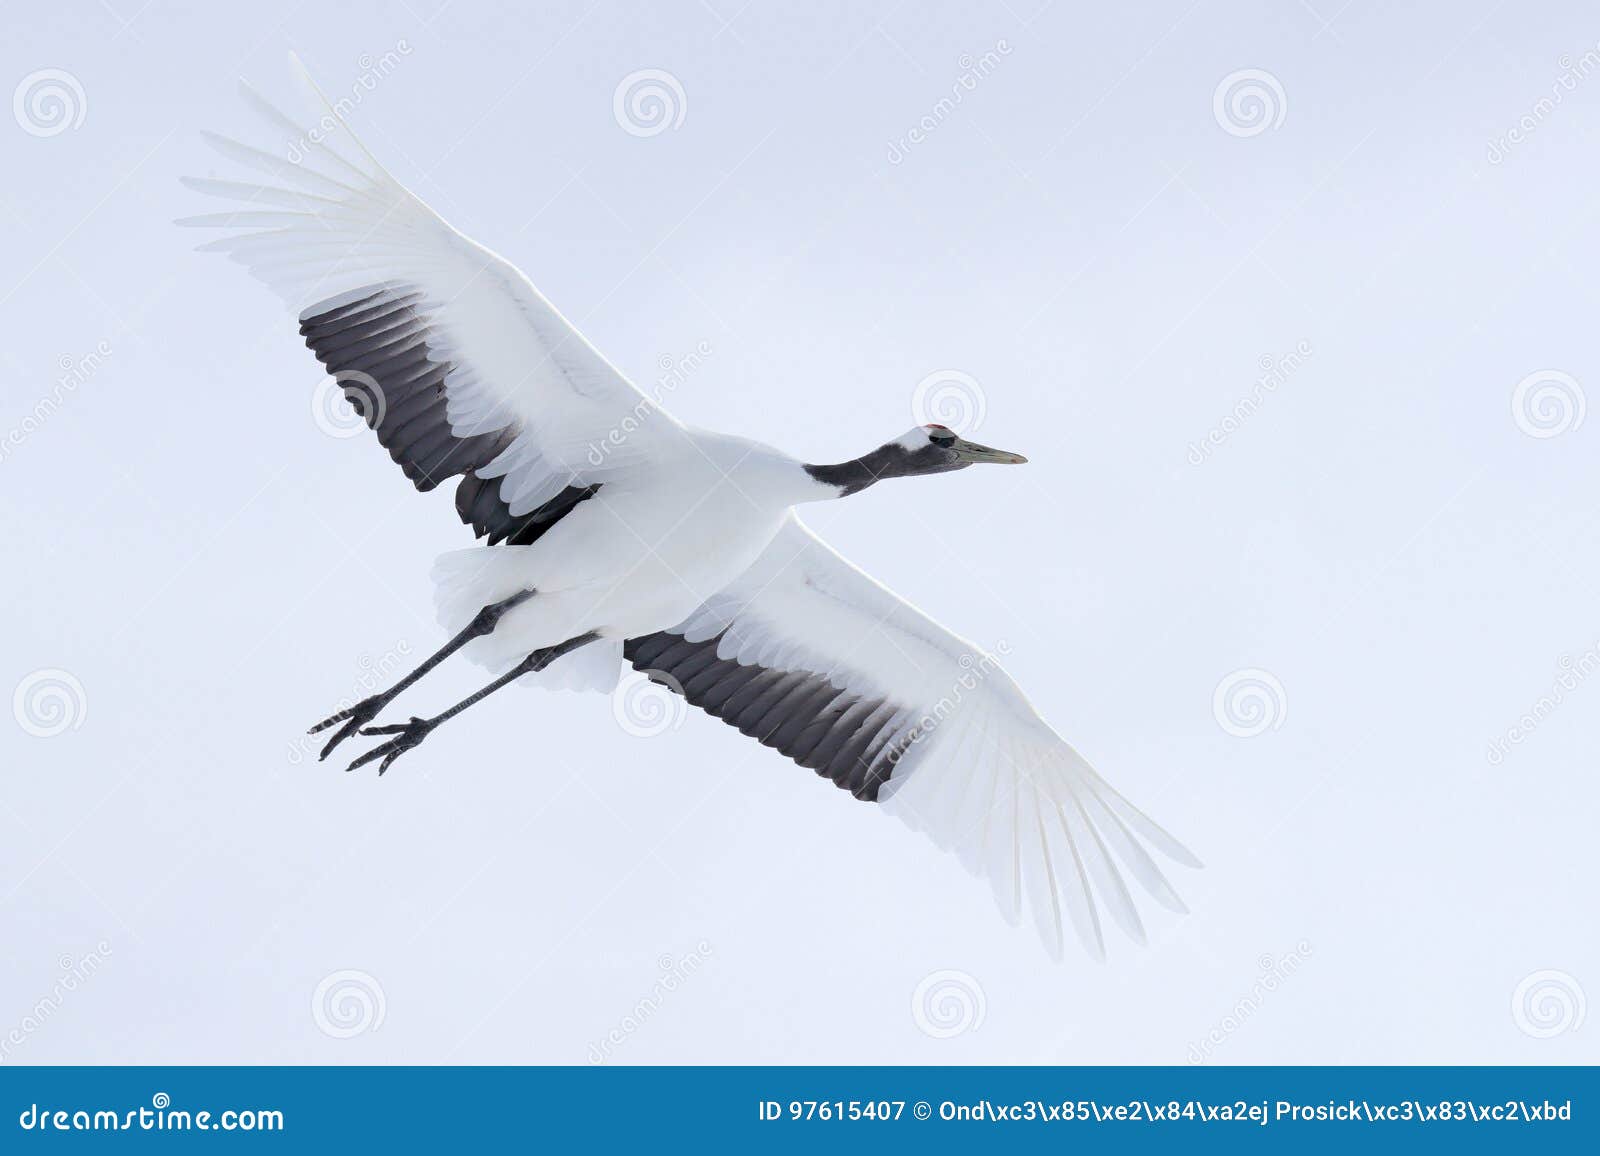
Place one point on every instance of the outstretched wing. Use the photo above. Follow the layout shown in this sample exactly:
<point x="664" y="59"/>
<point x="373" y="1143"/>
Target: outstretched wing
<point x="809" y="655"/>
<point x="448" y="351"/>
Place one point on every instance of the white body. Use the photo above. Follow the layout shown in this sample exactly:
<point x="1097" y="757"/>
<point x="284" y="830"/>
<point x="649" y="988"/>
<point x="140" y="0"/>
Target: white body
<point x="638" y="557"/>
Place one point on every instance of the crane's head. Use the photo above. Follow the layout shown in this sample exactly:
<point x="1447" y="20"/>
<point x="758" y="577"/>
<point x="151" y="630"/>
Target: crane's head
<point x="923" y="449"/>
<point x="933" y="449"/>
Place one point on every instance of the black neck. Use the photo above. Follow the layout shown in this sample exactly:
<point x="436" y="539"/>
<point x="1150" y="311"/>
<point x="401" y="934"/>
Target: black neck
<point x="887" y="461"/>
<point x="851" y="477"/>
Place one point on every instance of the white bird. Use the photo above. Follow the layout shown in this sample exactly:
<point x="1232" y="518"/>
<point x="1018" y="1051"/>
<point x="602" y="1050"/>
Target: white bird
<point x="612" y="533"/>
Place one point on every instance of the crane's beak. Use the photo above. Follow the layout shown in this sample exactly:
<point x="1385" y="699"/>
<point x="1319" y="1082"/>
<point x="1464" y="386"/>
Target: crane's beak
<point x="973" y="452"/>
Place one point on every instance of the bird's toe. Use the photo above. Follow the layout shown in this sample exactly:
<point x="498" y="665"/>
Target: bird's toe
<point x="406" y="735"/>
<point x="353" y="717"/>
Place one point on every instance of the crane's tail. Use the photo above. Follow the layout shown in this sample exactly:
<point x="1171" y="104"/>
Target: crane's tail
<point x="465" y="581"/>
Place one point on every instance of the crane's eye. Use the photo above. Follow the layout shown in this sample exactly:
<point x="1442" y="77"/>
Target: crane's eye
<point x="940" y="436"/>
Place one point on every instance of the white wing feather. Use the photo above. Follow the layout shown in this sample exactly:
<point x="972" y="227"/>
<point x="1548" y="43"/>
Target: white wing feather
<point x="985" y="777"/>
<point x="329" y="222"/>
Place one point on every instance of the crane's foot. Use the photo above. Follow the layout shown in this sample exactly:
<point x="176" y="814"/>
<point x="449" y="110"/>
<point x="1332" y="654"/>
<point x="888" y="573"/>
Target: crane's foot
<point x="354" y="718"/>
<point x="406" y="735"/>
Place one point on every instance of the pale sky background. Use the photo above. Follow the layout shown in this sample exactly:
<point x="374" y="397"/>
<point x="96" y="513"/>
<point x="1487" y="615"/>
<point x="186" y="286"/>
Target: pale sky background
<point x="1110" y="257"/>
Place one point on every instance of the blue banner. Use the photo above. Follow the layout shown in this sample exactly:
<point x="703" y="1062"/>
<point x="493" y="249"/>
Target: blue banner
<point x="846" y="1109"/>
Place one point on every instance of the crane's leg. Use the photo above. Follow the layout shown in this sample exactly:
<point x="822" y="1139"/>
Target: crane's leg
<point x="409" y="734"/>
<point x="367" y="709"/>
